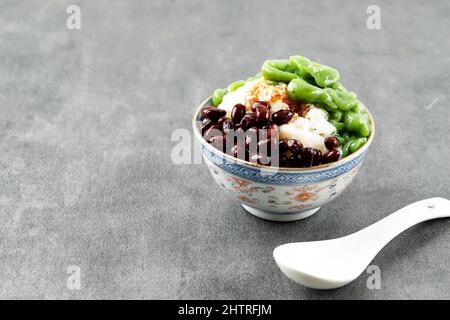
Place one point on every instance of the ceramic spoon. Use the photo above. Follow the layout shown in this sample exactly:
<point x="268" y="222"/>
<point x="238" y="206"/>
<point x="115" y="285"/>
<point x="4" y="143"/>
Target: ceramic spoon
<point x="334" y="263"/>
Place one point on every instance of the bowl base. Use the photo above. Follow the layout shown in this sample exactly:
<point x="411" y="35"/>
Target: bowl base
<point x="280" y="217"/>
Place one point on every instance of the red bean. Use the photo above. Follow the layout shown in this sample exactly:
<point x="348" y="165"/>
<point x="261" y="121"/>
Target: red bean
<point x="220" y="121"/>
<point x="235" y="136"/>
<point x="331" y="156"/>
<point x="219" y="142"/>
<point x="265" y="147"/>
<point x="307" y="157"/>
<point x="294" y="161"/>
<point x="213" y="113"/>
<point x="262" y="115"/>
<point x="251" y="139"/>
<point x="282" y="117"/>
<point x="232" y="151"/>
<point x="206" y="124"/>
<point x="259" y="103"/>
<point x="239" y="151"/>
<point x="283" y="145"/>
<point x="311" y="157"/>
<point x="237" y="113"/>
<point x="213" y="131"/>
<point x="248" y="121"/>
<point x="331" y="143"/>
<point x="272" y="131"/>
<point x="283" y="162"/>
<point x="279" y="161"/>
<point x="227" y="125"/>
<point x="260" y="159"/>
<point x="294" y="146"/>
<point x="263" y="133"/>
<point x="203" y="109"/>
<point x="317" y="157"/>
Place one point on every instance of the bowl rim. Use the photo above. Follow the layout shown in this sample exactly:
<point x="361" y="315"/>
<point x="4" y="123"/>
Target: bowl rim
<point x="354" y="155"/>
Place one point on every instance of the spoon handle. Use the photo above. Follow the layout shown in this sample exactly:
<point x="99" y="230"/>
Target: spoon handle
<point x="383" y="231"/>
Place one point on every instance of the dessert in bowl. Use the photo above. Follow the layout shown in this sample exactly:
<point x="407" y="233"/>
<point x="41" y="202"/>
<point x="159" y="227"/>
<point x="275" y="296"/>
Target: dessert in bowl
<point x="285" y="141"/>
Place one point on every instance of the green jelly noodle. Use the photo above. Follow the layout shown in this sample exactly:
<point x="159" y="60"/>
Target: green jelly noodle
<point x="311" y="82"/>
<point x="235" y="85"/>
<point x="218" y="96"/>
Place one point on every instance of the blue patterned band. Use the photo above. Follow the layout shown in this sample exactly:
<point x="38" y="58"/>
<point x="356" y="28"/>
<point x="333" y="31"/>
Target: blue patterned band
<point x="272" y="176"/>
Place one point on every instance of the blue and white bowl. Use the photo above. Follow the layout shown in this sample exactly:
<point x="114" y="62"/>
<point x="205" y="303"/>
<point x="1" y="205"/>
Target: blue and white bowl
<point x="280" y="194"/>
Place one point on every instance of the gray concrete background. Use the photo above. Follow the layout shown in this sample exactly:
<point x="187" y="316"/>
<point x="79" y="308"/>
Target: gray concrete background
<point x="86" y="118"/>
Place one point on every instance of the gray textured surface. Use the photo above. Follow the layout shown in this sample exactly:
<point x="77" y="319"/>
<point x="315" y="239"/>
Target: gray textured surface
<point x="85" y="138"/>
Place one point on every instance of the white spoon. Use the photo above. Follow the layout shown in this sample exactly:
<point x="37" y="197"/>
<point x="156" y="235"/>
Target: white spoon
<point x="334" y="263"/>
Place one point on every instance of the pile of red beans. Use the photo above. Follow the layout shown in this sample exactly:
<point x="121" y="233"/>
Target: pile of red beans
<point x="254" y="136"/>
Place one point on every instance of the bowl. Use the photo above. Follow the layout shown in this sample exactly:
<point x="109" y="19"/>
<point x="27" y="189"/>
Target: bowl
<point x="280" y="194"/>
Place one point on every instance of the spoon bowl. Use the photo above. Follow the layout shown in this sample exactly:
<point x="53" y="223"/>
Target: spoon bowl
<point x="330" y="264"/>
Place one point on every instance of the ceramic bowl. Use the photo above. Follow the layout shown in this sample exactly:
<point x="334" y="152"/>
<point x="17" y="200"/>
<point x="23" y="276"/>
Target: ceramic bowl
<point x="280" y="194"/>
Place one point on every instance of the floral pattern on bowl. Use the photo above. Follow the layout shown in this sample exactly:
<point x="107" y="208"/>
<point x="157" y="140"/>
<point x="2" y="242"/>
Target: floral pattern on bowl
<point x="282" y="199"/>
